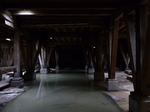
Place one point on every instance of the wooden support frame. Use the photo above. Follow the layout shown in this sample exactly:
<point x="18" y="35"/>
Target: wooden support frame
<point x="29" y="58"/>
<point x="131" y="39"/>
<point x="114" y="49"/>
<point x="49" y="53"/>
<point x="144" y="52"/>
<point x="126" y="58"/>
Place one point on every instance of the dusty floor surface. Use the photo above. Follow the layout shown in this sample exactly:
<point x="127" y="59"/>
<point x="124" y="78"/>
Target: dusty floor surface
<point x="124" y="87"/>
<point x="121" y="97"/>
<point x="10" y="93"/>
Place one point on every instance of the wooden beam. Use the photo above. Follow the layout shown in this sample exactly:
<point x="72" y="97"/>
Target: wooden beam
<point x="7" y="68"/>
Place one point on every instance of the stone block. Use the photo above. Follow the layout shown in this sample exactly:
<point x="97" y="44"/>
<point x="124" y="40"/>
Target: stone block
<point x="138" y="103"/>
<point x="43" y="71"/>
<point x="112" y="84"/>
<point x="17" y="82"/>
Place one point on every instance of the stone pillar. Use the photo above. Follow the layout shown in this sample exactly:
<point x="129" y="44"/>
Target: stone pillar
<point x="113" y="41"/>
<point x="17" y="80"/>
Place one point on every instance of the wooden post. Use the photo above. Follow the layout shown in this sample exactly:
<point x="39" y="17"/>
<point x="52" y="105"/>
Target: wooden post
<point x="139" y="99"/>
<point x="17" y="54"/>
<point x="141" y="28"/>
<point x="56" y="57"/>
<point x="99" y="74"/>
<point x="49" y="53"/>
<point x="114" y="50"/>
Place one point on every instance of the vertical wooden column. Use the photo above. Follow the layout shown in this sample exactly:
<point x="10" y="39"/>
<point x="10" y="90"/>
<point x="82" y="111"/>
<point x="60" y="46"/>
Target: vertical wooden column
<point x="90" y="65"/>
<point x="112" y="83"/>
<point x="145" y="76"/>
<point x="114" y="49"/>
<point x="17" y="81"/>
<point x="30" y="54"/>
<point x="56" y="57"/>
<point x="139" y="99"/>
<point x="109" y="46"/>
<point x="86" y="59"/>
<point x="17" y="54"/>
<point x="99" y="74"/>
<point x="142" y="52"/>
<point x="49" y="52"/>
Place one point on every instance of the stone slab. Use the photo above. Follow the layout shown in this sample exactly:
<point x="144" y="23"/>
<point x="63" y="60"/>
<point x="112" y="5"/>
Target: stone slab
<point x="17" y="79"/>
<point x="4" y="83"/>
<point x="112" y="84"/>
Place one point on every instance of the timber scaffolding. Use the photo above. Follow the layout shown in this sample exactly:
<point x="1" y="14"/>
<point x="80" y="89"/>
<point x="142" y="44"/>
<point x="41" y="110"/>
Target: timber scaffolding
<point x="37" y="29"/>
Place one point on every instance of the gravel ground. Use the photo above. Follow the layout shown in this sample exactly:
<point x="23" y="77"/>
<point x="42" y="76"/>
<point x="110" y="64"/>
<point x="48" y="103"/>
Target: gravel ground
<point x="10" y="93"/>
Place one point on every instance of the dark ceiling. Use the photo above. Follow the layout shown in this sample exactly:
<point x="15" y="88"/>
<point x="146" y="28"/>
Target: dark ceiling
<point x="64" y="20"/>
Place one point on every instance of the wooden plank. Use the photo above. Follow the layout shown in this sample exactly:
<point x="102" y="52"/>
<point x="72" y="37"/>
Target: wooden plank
<point x="7" y="68"/>
<point x="56" y="57"/>
<point x="114" y="49"/>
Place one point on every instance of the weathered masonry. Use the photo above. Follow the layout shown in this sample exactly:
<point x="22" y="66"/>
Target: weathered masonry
<point x="35" y="34"/>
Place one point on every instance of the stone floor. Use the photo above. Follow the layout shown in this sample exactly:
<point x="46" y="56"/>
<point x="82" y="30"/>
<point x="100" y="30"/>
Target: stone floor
<point x="68" y="92"/>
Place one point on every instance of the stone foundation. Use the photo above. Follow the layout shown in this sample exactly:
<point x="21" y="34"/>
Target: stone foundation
<point x="43" y="71"/>
<point x="138" y="103"/>
<point x="112" y="84"/>
<point x="90" y="70"/>
<point x="17" y="82"/>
